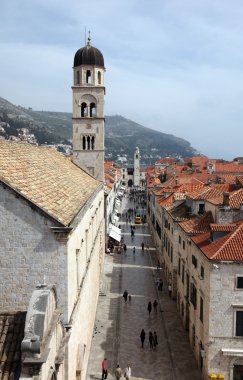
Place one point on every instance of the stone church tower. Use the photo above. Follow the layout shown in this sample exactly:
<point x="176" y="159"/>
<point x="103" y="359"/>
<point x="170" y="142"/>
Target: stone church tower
<point x="88" y="110"/>
<point x="136" y="173"/>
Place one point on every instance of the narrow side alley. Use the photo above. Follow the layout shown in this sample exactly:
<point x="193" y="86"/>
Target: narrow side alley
<point x="119" y="323"/>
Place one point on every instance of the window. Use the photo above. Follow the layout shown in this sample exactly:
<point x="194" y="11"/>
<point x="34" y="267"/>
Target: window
<point x="239" y="282"/>
<point x="193" y="295"/>
<point x="201" y="208"/>
<point x="202" y="273"/>
<point x="239" y="323"/>
<point x="194" y="261"/>
<point x="183" y="244"/>
<point x="78" y="80"/>
<point x="88" y="76"/>
<point x="99" y="77"/>
<point x="201" y="309"/>
<point x="183" y="274"/>
<point x="84" y="110"/>
<point x="92" y="110"/>
<point x="179" y="267"/>
<point x="193" y="336"/>
<point x="171" y="254"/>
<point x="179" y="239"/>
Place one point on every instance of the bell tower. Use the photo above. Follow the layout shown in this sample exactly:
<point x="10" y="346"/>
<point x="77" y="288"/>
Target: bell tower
<point x="136" y="173"/>
<point x="88" y="110"/>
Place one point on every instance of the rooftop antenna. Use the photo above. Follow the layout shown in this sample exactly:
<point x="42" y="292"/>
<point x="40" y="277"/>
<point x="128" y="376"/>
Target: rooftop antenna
<point x="85" y="35"/>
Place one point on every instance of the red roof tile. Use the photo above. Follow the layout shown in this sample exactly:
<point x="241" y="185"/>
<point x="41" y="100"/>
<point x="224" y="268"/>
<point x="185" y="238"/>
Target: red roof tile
<point x="227" y="248"/>
<point x="11" y="335"/>
<point x="197" y="224"/>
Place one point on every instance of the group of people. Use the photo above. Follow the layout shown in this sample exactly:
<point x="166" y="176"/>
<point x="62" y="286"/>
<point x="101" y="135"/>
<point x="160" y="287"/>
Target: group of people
<point x="127" y="296"/>
<point x="149" y="307"/>
<point x="118" y="371"/>
<point x="153" y="339"/>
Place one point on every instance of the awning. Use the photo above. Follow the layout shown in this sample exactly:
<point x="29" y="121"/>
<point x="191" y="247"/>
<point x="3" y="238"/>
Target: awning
<point x="118" y="202"/>
<point x="120" y="194"/>
<point x="114" y="232"/>
<point x="232" y="352"/>
<point x="122" y="188"/>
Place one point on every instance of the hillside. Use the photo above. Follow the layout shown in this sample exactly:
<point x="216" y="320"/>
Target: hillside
<point x="121" y="135"/>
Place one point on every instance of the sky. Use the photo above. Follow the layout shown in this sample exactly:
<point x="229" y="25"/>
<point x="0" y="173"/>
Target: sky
<point x="175" y="66"/>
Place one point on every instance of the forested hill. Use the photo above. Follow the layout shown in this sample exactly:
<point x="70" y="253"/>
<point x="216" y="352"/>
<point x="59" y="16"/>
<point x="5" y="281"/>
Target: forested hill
<point x="121" y="135"/>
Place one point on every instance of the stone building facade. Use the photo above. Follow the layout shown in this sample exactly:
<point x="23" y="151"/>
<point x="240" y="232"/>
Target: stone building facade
<point x="202" y="257"/>
<point x="52" y="222"/>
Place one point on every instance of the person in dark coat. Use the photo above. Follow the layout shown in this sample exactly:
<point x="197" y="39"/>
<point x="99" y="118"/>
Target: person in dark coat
<point x="149" y="308"/>
<point x="155" y="342"/>
<point x="151" y="340"/>
<point x="125" y="295"/>
<point x="142" y="337"/>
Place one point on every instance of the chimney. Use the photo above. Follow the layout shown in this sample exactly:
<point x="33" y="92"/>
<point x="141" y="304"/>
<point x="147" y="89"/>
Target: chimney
<point x="226" y="199"/>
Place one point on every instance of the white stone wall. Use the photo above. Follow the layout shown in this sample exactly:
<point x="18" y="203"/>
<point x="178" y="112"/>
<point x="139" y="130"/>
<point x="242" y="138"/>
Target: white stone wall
<point x="28" y="253"/>
<point x="224" y="298"/>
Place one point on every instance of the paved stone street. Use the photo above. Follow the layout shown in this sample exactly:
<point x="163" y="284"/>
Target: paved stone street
<point x="119" y="323"/>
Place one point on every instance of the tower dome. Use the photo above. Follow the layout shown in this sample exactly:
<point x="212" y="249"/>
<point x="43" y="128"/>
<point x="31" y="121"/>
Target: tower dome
<point x="88" y="55"/>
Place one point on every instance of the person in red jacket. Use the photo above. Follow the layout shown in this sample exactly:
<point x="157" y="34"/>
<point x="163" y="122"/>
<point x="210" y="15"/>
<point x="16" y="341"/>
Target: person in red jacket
<point x="104" y="369"/>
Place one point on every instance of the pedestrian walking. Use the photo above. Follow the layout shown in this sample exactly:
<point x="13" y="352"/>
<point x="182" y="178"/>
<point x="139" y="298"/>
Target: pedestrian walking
<point x="118" y="372"/>
<point x="155" y="342"/>
<point x="151" y="340"/>
<point x="104" y="369"/>
<point x="155" y="304"/>
<point x="142" y="337"/>
<point x="160" y="287"/>
<point x="142" y="245"/>
<point x="130" y="298"/>
<point x="158" y="265"/>
<point x="128" y="372"/>
<point x="170" y="289"/>
<point x="134" y="250"/>
<point x="125" y="295"/>
<point x="149" y="308"/>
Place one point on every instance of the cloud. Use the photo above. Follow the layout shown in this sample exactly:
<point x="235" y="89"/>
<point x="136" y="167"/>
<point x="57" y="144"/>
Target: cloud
<point x="175" y="66"/>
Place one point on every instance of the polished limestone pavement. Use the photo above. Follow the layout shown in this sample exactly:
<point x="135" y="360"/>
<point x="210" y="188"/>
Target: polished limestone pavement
<point x="118" y="323"/>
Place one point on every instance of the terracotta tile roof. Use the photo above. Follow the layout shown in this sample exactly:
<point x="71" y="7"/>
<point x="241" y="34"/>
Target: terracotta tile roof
<point x="228" y="248"/>
<point x="228" y="178"/>
<point x="167" y="202"/>
<point x="236" y="199"/>
<point x="167" y="161"/>
<point x="190" y="187"/>
<point x="11" y="335"/>
<point x="239" y="179"/>
<point x="197" y="224"/>
<point x="226" y="187"/>
<point x="206" y="193"/>
<point x="222" y="227"/>
<point x="46" y="178"/>
<point x="199" y="161"/>
<point x="228" y="168"/>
